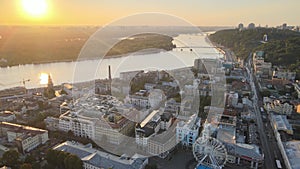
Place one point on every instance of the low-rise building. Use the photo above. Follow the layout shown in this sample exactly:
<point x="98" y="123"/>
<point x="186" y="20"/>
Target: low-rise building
<point x="148" y="127"/>
<point x="139" y="99"/>
<point x="7" y="116"/>
<point x="163" y="143"/>
<point x="284" y="74"/>
<point x="292" y="152"/>
<point x="95" y="159"/>
<point x="187" y="132"/>
<point x="280" y="123"/>
<point x="262" y="69"/>
<point x="297" y="88"/>
<point x="52" y="123"/>
<point x="3" y="149"/>
<point x="27" y="138"/>
<point x="79" y="125"/>
<point x="232" y="98"/>
<point x="98" y="118"/>
<point x="172" y="106"/>
<point x="274" y="105"/>
<point x="156" y="134"/>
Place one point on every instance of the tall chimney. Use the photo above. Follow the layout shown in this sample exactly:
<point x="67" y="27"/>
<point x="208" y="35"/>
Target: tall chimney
<point x="109" y="72"/>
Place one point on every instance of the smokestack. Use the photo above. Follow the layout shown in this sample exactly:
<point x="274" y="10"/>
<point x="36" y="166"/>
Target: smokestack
<point x="109" y="72"/>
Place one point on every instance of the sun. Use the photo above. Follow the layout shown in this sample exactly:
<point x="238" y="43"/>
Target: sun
<point x="35" y="8"/>
<point x="43" y="78"/>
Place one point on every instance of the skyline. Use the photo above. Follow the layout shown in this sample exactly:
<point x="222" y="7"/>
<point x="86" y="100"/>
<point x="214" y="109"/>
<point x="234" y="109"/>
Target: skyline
<point x="197" y="12"/>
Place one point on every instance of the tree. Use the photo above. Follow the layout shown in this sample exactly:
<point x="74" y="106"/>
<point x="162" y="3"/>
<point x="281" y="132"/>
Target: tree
<point x="61" y="158"/>
<point x="73" y="162"/>
<point x="11" y="158"/>
<point x="151" y="166"/>
<point x="29" y="159"/>
<point x="26" y="166"/>
<point x="265" y="93"/>
<point x="51" y="157"/>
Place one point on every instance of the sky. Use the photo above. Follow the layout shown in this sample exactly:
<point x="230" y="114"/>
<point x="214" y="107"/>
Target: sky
<point x="197" y="12"/>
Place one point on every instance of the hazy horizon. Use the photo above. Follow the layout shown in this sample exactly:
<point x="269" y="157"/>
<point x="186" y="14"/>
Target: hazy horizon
<point x="197" y="12"/>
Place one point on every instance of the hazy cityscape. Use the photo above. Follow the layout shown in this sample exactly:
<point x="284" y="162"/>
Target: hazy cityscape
<point x="84" y="87"/>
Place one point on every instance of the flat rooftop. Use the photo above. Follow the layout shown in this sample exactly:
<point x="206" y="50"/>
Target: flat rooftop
<point x="292" y="150"/>
<point x="100" y="159"/>
<point x="281" y="122"/>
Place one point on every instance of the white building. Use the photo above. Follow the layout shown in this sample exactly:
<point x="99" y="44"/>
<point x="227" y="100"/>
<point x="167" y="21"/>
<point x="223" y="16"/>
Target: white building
<point x="139" y="100"/>
<point x="162" y="144"/>
<point x="27" y="138"/>
<point x="292" y="154"/>
<point x="147" y="137"/>
<point x="283" y="74"/>
<point x="7" y="116"/>
<point x="79" y="125"/>
<point x="233" y="98"/>
<point x="280" y="123"/>
<point x="98" y="119"/>
<point x="276" y="106"/>
<point x="297" y="88"/>
<point x="187" y="132"/>
<point x="95" y="159"/>
<point x="172" y="106"/>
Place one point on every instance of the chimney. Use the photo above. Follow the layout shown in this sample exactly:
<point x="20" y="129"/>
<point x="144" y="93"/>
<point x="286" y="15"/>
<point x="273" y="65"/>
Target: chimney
<point x="109" y="72"/>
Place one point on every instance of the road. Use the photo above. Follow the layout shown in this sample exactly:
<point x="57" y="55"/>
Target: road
<point x="229" y="55"/>
<point x="270" y="149"/>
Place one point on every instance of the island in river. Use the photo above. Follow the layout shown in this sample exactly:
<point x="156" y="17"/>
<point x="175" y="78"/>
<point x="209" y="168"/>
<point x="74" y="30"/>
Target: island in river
<point x="35" y="45"/>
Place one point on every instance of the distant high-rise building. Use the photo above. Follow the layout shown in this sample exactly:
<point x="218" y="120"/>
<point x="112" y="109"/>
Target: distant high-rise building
<point x="241" y="26"/>
<point x="251" y="26"/>
<point x="284" y="26"/>
<point x="265" y="37"/>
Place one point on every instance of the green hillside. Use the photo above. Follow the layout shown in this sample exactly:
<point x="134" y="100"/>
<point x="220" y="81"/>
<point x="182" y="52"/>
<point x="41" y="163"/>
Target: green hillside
<point x="282" y="48"/>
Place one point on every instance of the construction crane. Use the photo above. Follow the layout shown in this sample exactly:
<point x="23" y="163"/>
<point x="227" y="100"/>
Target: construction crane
<point x="24" y="81"/>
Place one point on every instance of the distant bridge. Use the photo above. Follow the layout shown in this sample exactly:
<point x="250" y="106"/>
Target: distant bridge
<point x="181" y="47"/>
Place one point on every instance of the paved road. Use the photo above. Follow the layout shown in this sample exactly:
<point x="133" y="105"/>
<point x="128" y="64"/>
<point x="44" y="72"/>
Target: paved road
<point x="268" y="149"/>
<point x="229" y="55"/>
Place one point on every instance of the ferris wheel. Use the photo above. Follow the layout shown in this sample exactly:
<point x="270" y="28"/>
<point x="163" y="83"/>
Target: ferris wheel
<point x="210" y="152"/>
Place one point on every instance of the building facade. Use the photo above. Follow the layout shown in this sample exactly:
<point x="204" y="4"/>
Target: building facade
<point x="187" y="132"/>
<point x="27" y="138"/>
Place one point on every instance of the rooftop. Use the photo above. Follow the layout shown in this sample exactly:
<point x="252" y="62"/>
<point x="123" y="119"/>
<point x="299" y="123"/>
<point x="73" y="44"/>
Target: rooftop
<point x="21" y="128"/>
<point x="100" y="159"/>
<point x="281" y="122"/>
<point x="227" y="135"/>
<point x="166" y="136"/>
<point x="292" y="149"/>
<point x="6" y="114"/>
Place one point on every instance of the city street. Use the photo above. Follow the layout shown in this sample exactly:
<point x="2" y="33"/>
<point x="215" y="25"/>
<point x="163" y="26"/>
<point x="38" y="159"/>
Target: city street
<point x="270" y="148"/>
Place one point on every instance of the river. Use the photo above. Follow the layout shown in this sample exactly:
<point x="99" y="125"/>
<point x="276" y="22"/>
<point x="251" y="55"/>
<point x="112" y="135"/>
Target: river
<point x="86" y="70"/>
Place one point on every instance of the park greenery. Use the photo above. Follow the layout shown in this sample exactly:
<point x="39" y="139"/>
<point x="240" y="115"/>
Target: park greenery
<point x="13" y="159"/>
<point x="142" y="42"/>
<point x="60" y="159"/>
<point x="282" y="48"/>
